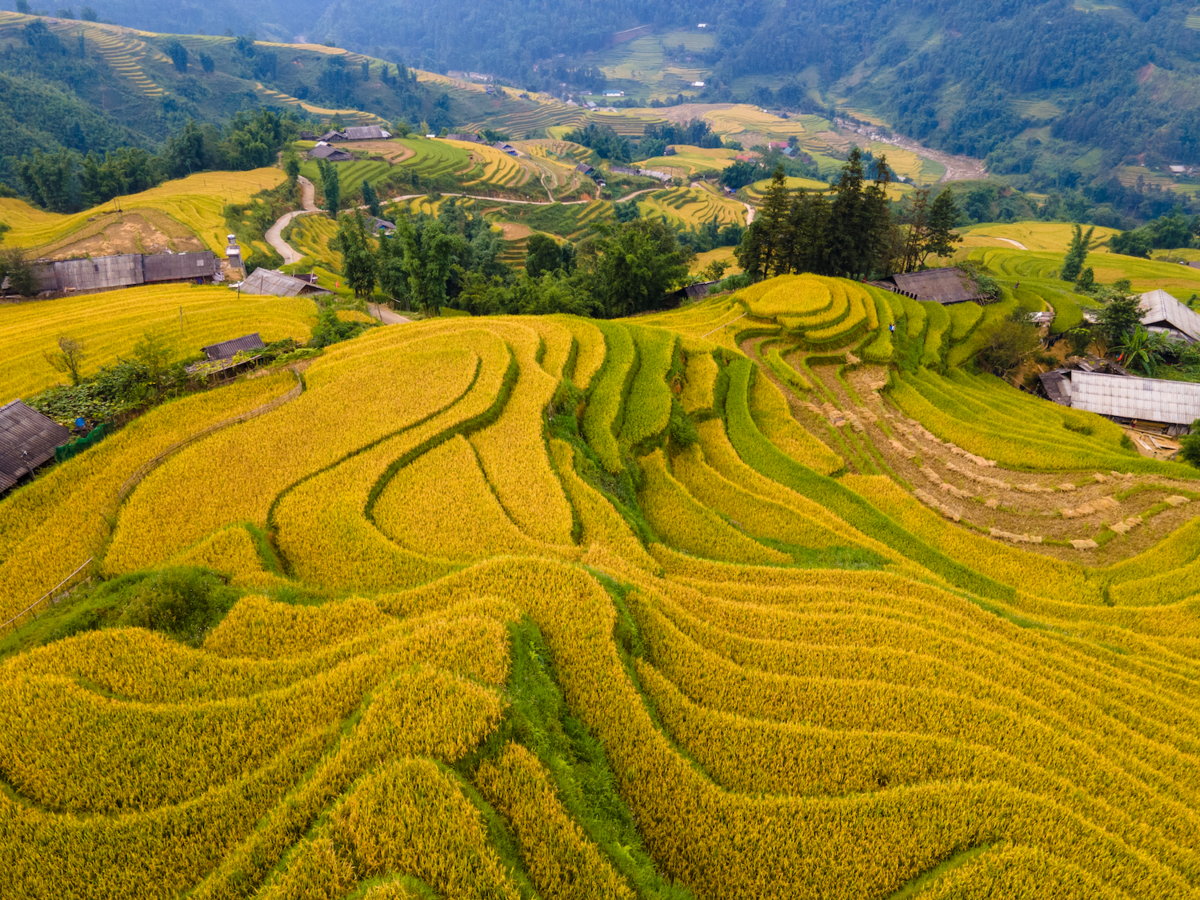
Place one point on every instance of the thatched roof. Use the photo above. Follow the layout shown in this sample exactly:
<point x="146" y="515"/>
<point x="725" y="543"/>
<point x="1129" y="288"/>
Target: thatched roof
<point x="1145" y="399"/>
<point x="945" y="286"/>
<point x="27" y="440"/>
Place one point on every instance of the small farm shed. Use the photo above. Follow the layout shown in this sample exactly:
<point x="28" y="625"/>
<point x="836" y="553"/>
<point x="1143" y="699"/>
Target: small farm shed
<point x="331" y="137"/>
<point x="329" y="153"/>
<point x="944" y="286"/>
<point x="1172" y="403"/>
<point x="377" y="225"/>
<point x="367" y="133"/>
<point x="506" y="148"/>
<point x="27" y="440"/>
<point x="586" y="169"/>
<point x="268" y="281"/>
<point x="225" y="358"/>
<point x="469" y="138"/>
<point x="103" y="273"/>
<point x="178" y="266"/>
<point x="229" y="349"/>
<point x="1163" y="313"/>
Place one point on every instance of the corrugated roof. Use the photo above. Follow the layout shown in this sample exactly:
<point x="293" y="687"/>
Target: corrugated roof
<point x="268" y="281"/>
<point x="366" y="133"/>
<point x="1162" y="309"/>
<point x="227" y="349"/>
<point x="328" y="151"/>
<point x="949" y="285"/>
<point x="1057" y="385"/>
<point x="1147" y="399"/>
<point x="179" y="266"/>
<point x="27" y="439"/>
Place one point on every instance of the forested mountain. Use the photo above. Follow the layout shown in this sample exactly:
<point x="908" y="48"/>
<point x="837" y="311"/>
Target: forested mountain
<point x="85" y="88"/>
<point x="1013" y="78"/>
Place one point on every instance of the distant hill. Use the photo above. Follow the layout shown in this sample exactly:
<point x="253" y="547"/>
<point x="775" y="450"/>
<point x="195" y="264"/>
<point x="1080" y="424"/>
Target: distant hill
<point x="1035" y="83"/>
<point x="91" y="87"/>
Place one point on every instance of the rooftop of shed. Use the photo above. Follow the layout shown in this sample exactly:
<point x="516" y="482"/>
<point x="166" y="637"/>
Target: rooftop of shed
<point x="27" y="440"/>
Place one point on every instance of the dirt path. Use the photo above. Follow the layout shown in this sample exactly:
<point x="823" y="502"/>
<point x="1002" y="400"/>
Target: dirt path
<point x="386" y="316"/>
<point x="274" y="236"/>
<point x="1016" y="244"/>
<point x="521" y="202"/>
<point x="750" y="214"/>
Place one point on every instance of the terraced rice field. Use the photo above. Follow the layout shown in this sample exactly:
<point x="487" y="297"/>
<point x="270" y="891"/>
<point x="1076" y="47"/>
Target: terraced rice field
<point x="186" y="316"/>
<point x="310" y="236"/>
<point x="714" y="599"/>
<point x="1055" y="236"/>
<point x="687" y="161"/>
<point x="1144" y="274"/>
<point x="195" y="202"/>
<point x="757" y="191"/>
<point x="692" y="207"/>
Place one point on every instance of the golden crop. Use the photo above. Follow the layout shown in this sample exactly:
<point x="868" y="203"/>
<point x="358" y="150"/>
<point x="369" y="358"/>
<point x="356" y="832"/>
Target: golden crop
<point x="803" y="681"/>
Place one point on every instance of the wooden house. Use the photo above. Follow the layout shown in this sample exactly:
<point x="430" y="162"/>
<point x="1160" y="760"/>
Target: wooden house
<point x="270" y="282"/>
<point x="329" y="153"/>
<point x="944" y="286"/>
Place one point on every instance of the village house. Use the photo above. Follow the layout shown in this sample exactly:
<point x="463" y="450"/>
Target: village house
<point x="28" y="440"/>
<point x="945" y="286"/>
<point x="1163" y="314"/>
<point x="329" y="153"/>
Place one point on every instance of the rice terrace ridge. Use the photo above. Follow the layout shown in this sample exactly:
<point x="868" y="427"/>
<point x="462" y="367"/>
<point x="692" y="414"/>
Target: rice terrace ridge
<point x="728" y="454"/>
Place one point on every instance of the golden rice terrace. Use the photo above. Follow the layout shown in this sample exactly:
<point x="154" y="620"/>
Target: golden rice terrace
<point x="761" y="598"/>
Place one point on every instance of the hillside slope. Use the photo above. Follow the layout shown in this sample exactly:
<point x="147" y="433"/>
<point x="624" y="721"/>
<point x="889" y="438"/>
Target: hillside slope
<point x="551" y="607"/>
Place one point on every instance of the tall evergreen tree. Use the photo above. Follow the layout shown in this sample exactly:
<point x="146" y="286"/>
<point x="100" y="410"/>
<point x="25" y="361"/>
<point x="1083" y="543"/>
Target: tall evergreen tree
<point x="1076" y="253"/>
<point x="331" y="186"/>
<point x="358" y="260"/>
<point x="848" y="219"/>
<point x="776" y="225"/>
<point x="370" y="198"/>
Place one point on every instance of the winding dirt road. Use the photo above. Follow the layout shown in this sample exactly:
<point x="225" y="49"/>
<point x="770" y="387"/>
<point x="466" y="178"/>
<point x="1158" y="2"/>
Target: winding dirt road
<point x="274" y="235"/>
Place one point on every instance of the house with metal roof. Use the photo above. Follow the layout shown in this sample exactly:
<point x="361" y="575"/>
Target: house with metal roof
<point x="366" y="133"/>
<point x="268" y="281"/>
<point x="178" y="266"/>
<point x="944" y="286"/>
<point x="104" y="273"/>
<point x="1164" y="314"/>
<point x="1142" y="399"/>
<point x="329" y="153"/>
<point x="229" y="349"/>
<point x="331" y="137"/>
<point x="28" y="439"/>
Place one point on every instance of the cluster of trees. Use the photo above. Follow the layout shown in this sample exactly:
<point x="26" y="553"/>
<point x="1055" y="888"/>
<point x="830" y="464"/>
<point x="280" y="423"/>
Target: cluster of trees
<point x="1170" y="232"/>
<point x="67" y="181"/>
<point x="854" y="234"/>
<point x="453" y="261"/>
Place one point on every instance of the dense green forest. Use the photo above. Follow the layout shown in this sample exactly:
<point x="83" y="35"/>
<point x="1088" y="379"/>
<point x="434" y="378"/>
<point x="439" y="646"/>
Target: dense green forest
<point x="967" y="77"/>
<point x="59" y="92"/>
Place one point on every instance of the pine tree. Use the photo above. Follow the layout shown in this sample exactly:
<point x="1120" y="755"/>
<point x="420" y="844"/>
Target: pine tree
<point x="776" y="225"/>
<point x="847" y="219"/>
<point x="1076" y="254"/>
<point x="370" y="198"/>
<point x="943" y="219"/>
<point x="331" y="187"/>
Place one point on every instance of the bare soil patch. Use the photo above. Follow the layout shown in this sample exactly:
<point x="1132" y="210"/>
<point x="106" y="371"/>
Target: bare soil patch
<point x="145" y="231"/>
